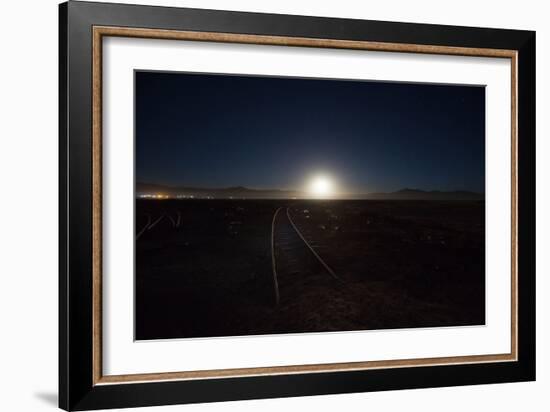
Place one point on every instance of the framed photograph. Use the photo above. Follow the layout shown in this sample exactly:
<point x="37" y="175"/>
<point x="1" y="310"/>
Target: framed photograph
<point x="257" y="206"/>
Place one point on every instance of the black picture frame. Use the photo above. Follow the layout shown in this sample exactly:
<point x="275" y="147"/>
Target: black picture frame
<point x="77" y="390"/>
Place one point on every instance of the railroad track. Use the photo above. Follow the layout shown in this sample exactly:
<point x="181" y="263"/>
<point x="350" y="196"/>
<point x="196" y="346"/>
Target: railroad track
<point x="151" y="223"/>
<point x="295" y="262"/>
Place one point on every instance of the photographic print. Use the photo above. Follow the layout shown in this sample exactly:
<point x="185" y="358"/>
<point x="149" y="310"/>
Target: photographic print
<point x="258" y="205"/>
<point x="276" y="205"/>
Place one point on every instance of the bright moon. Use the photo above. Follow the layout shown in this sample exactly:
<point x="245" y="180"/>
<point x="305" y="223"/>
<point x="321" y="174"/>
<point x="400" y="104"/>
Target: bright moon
<point x="321" y="186"/>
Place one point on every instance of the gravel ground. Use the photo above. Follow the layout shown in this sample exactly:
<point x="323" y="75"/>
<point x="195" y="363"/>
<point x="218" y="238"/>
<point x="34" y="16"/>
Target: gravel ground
<point x="405" y="264"/>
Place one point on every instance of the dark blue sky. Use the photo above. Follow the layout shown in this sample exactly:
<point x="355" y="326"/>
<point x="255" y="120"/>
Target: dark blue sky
<point x="269" y="132"/>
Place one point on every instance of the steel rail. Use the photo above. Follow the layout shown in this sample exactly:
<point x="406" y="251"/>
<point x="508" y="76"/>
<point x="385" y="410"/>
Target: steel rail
<point x="273" y="264"/>
<point x="327" y="267"/>
<point x="144" y="228"/>
<point x="155" y="222"/>
<point x="172" y="220"/>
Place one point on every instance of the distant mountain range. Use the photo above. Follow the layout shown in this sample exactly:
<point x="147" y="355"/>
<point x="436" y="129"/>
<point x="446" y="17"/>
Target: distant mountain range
<point x="145" y="189"/>
<point x="413" y="194"/>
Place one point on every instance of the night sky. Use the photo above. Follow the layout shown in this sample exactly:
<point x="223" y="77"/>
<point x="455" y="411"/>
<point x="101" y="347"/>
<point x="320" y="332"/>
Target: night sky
<point x="220" y="131"/>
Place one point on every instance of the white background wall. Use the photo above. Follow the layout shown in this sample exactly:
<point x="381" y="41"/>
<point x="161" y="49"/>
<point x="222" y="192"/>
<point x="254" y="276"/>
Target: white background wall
<point x="28" y="203"/>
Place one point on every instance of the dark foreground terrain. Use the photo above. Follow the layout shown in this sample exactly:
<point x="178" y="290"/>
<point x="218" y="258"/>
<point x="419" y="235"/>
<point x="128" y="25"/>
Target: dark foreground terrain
<point x="206" y="267"/>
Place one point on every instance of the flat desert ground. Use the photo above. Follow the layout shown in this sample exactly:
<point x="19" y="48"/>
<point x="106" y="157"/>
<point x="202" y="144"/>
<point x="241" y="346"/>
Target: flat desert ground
<point x="204" y="268"/>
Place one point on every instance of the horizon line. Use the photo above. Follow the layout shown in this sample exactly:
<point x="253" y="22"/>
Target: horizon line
<point x="241" y="187"/>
